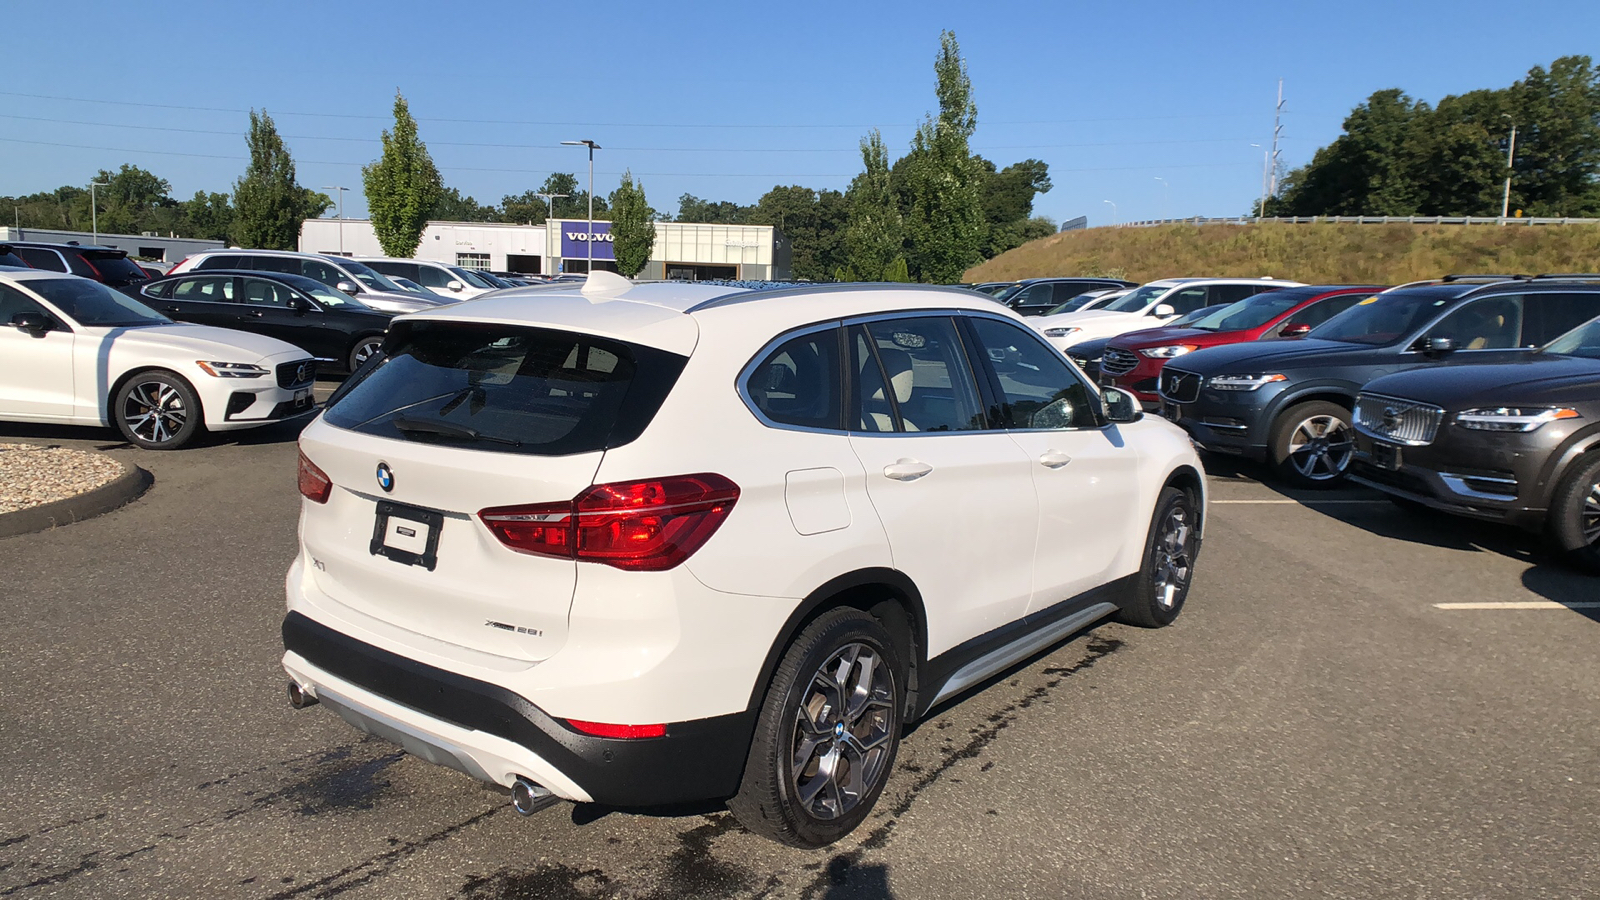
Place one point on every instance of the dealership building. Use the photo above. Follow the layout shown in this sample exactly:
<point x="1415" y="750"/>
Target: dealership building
<point x="683" y="250"/>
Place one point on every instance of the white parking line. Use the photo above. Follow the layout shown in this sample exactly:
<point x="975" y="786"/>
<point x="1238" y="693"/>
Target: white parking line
<point x="1519" y="604"/>
<point x="1299" y="502"/>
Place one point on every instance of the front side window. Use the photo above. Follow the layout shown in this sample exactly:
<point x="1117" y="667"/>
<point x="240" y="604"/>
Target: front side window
<point x="508" y="389"/>
<point x="798" y="383"/>
<point x="912" y="375"/>
<point x="1138" y="298"/>
<point x="1186" y="301"/>
<point x="213" y="289"/>
<point x="1038" y="389"/>
<point x="14" y="303"/>
<point x="1492" y="323"/>
<point x="1035" y="295"/>
<point x="260" y="292"/>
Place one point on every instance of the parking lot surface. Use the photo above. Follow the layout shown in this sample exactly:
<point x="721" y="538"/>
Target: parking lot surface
<point x="1314" y="724"/>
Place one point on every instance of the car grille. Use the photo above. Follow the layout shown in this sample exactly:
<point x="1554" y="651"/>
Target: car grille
<point x="296" y="374"/>
<point x="1179" y="386"/>
<point x="1118" y="362"/>
<point x="1401" y="421"/>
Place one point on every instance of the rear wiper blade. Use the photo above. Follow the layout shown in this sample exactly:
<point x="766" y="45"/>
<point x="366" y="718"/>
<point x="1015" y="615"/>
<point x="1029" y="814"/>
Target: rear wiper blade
<point x="445" y="429"/>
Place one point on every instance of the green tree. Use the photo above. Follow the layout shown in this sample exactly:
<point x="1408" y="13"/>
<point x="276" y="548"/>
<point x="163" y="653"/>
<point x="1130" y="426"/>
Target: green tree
<point x="945" y="228"/>
<point x="1557" y="112"/>
<point x="1008" y="202"/>
<point x="633" y="229"/>
<point x="402" y="187"/>
<point x="453" y="207"/>
<point x="712" y="212"/>
<point x="133" y="200"/>
<point x="208" y="216"/>
<point x="874" y="234"/>
<point x="530" y="208"/>
<point x="269" y="206"/>
<point x="813" y="221"/>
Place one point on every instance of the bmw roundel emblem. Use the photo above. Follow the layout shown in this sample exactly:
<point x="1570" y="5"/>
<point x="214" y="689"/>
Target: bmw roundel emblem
<point x="385" y="477"/>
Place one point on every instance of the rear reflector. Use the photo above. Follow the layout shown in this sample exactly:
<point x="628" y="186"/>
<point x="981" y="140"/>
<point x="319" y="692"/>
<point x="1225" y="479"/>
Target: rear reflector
<point x="315" y="485"/>
<point x="601" y="729"/>
<point x="644" y="526"/>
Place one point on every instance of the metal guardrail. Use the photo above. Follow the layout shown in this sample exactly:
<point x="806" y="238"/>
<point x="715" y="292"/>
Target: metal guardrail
<point x="1361" y="220"/>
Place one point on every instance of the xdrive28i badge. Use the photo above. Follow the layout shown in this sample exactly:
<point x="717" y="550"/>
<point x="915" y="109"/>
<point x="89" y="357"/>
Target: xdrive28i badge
<point x="385" y="477"/>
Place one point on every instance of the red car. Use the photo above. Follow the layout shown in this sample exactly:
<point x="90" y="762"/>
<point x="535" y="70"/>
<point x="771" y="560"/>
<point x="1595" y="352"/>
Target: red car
<point x="1133" y="361"/>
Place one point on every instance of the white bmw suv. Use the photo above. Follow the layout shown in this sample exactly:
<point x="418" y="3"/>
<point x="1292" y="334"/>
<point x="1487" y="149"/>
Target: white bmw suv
<point x="75" y="352"/>
<point x="663" y="543"/>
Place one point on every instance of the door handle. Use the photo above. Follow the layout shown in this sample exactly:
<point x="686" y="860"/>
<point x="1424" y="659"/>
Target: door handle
<point x="173" y="309"/>
<point x="1054" y="459"/>
<point x="906" y="470"/>
<point x="256" y="313"/>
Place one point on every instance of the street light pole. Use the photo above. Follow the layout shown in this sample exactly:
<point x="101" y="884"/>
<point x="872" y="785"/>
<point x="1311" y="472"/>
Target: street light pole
<point x="589" y="244"/>
<point x="1113" y="211"/>
<point x="94" y="208"/>
<point x="1511" y="160"/>
<point x="341" y="190"/>
<point x="1166" y="198"/>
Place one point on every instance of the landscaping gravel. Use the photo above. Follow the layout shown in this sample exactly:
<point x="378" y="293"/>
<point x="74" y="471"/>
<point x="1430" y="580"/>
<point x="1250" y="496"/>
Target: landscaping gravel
<point x="31" y="475"/>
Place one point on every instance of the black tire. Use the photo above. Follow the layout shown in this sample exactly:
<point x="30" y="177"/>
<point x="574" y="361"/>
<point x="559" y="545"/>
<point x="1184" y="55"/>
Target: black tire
<point x="157" y="410"/>
<point x="362" y="350"/>
<point x="771" y="800"/>
<point x="1312" y="444"/>
<point x="1575" y="513"/>
<point x="1170" y="552"/>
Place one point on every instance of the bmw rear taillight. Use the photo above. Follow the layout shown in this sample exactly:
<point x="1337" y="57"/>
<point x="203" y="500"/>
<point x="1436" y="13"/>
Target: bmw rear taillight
<point x="624" y="732"/>
<point x="642" y="526"/>
<point x="315" y="485"/>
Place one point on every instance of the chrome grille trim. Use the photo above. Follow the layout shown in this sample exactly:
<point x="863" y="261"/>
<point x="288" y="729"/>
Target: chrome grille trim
<point x="1179" y="386"/>
<point x="299" y="372"/>
<point x="1397" y="420"/>
<point x="1118" y="362"/>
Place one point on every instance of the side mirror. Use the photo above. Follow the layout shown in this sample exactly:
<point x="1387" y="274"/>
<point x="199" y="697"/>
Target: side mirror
<point x="347" y="287"/>
<point x="1440" y="344"/>
<point x="453" y="285"/>
<point x="1163" y="311"/>
<point x="1122" y="407"/>
<point x="298" y="304"/>
<point x="1295" y="330"/>
<point x="35" y="324"/>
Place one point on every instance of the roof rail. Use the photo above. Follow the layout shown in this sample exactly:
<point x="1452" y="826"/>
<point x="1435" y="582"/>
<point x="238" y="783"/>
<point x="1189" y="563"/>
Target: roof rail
<point x="1567" y="276"/>
<point x="747" y="295"/>
<point x="1475" y="277"/>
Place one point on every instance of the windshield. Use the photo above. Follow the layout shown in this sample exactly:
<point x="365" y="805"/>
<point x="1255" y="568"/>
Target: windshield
<point x="1077" y="303"/>
<point x="1251" y="312"/>
<point x="1581" y="341"/>
<point x="1006" y="292"/>
<point x="370" y="277"/>
<point x="1138" y="298"/>
<point x="91" y="303"/>
<point x="473" y="278"/>
<point x="1384" y="318"/>
<point x="507" y="389"/>
<point x="327" y="296"/>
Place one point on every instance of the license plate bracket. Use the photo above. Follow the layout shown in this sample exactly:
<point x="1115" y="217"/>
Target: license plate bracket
<point x="1385" y="456"/>
<point x="390" y="537"/>
<point x="1170" y="411"/>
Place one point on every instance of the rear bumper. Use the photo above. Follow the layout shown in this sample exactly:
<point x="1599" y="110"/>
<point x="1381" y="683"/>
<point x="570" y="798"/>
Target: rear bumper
<point x="496" y="735"/>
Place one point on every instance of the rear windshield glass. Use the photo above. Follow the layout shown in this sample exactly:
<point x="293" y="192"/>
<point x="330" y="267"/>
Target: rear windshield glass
<point x="506" y="389"/>
<point x="115" y="268"/>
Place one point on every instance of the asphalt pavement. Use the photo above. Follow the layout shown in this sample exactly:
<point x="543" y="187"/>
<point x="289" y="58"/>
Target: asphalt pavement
<point x="1313" y="724"/>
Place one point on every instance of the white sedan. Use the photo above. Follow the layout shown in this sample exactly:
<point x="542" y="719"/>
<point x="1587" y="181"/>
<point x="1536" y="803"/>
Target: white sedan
<point x="75" y="352"/>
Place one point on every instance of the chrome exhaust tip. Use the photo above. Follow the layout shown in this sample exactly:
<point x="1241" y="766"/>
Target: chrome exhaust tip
<point x="528" y="797"/>
<point x="298" y="698"/>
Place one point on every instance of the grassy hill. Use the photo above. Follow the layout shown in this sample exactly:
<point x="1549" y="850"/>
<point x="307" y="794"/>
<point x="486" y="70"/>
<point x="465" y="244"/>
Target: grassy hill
<point x="1316" y="254"/>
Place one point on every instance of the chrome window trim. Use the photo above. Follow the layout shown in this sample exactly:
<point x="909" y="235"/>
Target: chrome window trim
<point x="1457" y="484"/>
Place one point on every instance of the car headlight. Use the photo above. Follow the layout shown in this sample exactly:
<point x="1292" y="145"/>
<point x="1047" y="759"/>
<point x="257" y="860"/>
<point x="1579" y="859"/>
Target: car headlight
<point x="1061" y="332"/>
<point x="1512" y="418"/>
<point x="1169" y="351"/>
<point x="1242" y="382"/>
<point x="231" y="370"/>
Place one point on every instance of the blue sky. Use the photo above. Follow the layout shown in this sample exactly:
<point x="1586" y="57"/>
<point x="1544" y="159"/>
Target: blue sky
<point x="724" y="100"/>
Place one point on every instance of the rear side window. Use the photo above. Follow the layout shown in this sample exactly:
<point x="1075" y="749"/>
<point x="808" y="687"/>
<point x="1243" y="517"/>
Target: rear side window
<point x="223" y="262"/>
<point x="798" y="383"/>
<point x="40" y="258"/>
<point x="1549" y="316"/>
<point x="212" y="289"/>
<point x="507" y="389"/>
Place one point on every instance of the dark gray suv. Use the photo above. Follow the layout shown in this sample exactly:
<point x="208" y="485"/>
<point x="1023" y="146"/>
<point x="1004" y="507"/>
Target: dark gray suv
<point x="1289" y="402"/>
<point x="1516" y="443"/>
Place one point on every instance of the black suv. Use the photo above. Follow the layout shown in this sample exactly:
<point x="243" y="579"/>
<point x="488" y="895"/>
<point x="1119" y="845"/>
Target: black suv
<point x="305" y="312"/>
<point x="107" y="265"/>
<point x="1517" y="443"/>
<point x="1290" y="402"/>
<point x="1037" y="296"/>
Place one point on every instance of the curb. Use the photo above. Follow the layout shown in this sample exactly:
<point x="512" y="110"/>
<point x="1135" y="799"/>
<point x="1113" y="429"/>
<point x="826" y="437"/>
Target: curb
<point x="120" y="491"/>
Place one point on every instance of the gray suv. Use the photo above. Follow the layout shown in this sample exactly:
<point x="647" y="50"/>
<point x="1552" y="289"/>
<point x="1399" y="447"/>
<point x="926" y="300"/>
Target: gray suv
<point x="360" y="281"/>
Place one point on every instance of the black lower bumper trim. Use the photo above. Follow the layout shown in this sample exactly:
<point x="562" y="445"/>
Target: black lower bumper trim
<point x="696" y="761"/>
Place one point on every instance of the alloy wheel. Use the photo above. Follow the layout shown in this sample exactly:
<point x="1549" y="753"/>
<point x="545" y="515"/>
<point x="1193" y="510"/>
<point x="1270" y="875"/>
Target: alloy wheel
<point x="1320" y="448"/>
<point x="155" y="412"/>
<point x="842" y="732"/>
<point x="1589" y="518"/>
<point x="1173" y="563"/>
<point x="365" y="351"/>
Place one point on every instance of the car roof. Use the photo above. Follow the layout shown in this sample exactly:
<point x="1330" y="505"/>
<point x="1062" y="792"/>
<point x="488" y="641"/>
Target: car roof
<point x="53" y="245"/>
<point x="289" y="277"/>
<point x="36" y="274"/>
<point x="669" y="315"/>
